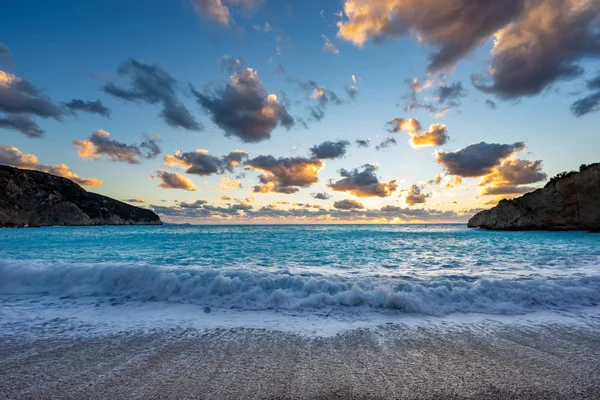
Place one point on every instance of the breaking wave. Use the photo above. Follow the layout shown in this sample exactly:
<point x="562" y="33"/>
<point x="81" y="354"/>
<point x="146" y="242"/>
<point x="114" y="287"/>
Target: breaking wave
<point x="262" y="290"/>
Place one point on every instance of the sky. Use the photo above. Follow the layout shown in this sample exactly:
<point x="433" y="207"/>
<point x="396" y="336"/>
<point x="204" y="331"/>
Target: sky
<point x="264" y="111"/>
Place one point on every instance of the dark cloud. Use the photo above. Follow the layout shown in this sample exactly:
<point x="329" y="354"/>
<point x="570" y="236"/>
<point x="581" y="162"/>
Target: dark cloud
<point x="594" y="83"/>
<point x="315" y="113"/>
<point x="586" y="105"/>
<point x="201" y="162"/>
<point x="386" y="143"/>
<point x="453" y="28"/>
<point x="348" y="205"/>
<point x="537" y="42"/>
<point x="491" y="104"/>
<point x="363" y="143"/>
<point x="542" y="46"/>
<point x="170" y="180"/>
<point x="451" y="94"/>
<point x="515" y="172"/>
<point x="271" y="213"/>
<point x="506" y="190"/>
<point x="330" y="150"/>
<point x="363" y="183"/>
<point x="19" y="96"/>
<point x="134" y="200"/>
<point x="414" y="195"/>
<point x="244" y="109"/>
<point x="100" y="144"/>
<point x="22" y="123"/>
<point x="477" y="159"/>
<point x="153" y="85"/>
<point x="5" y="51"/>
<point x="285" y="174"/>
<point x="321" y="196"/>
<point x="93" y="107"/>
<point x="196" y="204"/>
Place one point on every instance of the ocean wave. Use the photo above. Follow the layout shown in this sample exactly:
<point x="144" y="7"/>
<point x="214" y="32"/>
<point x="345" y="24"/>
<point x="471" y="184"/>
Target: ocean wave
<point x="261" y="290"/>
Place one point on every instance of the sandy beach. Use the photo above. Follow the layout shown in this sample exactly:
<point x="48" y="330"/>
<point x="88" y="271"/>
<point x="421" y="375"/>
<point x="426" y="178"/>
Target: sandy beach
<point x="461" y="361"/>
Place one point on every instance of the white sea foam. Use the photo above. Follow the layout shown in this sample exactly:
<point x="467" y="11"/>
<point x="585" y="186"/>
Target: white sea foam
<point x="245" y="289"/>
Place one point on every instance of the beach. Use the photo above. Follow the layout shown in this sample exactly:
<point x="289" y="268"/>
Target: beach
<point x="475" y="360"/>
<point x="407" y="312"/>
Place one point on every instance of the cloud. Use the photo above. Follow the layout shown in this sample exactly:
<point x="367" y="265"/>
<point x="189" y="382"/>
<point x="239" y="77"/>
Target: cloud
<point x="363" y="183"/>
<point x="363" y="142"/>
<point x="352" y="90"/>
<point x="348" y="205"/>
<point x="153" y="85"/>
<point x="586" y="105"/>
<point x="328" y="46"/>
<point x="515" y="172"/>
<point x="92" y="107"/>
<point x="414" y="195"/>
<point x="196" y="204"/>
<point x="542" y="46"/>
<point x="12" y="156"/>
<point x="330" y="150"/>
<point x="437" y="135"/>
<point x="170" y="180"/>
<point x="451" y="94"/>
<point x="228" y="184"/>
<point x="285" y="174"/>
<point x="66" y="172"/>
<point x="232" y="64"/>
<point x="477" y="159"/>
<point x="321" y="196"/>
<point x="506" y="190"/>
<point x="305" y="213"/>
<point x="219" y="10"/>
<point x="320" y="93"/>
<point x="5" y="51"/>
<point x="452" y="28"/>
<point x="244" y="109"/>
<point x="20" y="100"/>
<point x="386" y="143"/>
<point x="22" y="123"/>
<point x="100" y="144"/>
<point x="322" y="96"/>
<point x="134" y="200"/>
<point x="491" y="104"/>
<point x="201" y="162"/>
<point x="536" y="42"/>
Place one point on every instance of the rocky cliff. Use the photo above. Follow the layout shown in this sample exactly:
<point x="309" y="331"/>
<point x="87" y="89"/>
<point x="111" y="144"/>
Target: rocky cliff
<point x="36" y="198"/>
<point x="570" y="201"/>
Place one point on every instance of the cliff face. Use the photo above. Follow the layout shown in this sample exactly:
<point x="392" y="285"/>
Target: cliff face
<point x="569" y="203"/>
<point x="39" y="199"/>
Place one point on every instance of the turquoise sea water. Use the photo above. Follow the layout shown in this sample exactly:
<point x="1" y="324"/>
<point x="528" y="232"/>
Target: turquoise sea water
<point x="432" y="270"/>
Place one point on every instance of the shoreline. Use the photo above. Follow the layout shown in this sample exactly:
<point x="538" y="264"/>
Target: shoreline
<point x="463" y="361"/>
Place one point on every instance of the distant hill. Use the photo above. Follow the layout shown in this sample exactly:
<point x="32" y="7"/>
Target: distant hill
<point x="569" y="201"/>
<point x="36" y="198"/>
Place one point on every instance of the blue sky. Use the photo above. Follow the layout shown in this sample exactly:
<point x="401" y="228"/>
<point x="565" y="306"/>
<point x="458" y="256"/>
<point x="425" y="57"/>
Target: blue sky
<point x="72" y="49"/>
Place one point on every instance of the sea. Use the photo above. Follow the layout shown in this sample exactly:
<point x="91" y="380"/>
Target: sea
<point x="304" y="279"/>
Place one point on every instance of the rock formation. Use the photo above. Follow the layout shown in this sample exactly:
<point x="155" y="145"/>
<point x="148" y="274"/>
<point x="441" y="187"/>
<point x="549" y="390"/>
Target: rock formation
<point x="33" y="198"/>
<point x="570" y="201"/>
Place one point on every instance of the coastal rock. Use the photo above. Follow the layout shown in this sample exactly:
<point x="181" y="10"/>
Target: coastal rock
<point x="33" y="198"/>
<point x="569" y="202"/>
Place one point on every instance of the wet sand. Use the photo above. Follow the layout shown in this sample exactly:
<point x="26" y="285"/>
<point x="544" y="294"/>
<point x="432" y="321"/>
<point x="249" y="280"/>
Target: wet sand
<point x="477" y="361"/>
